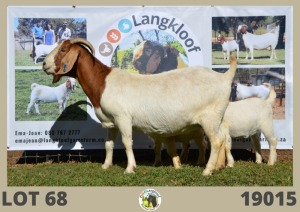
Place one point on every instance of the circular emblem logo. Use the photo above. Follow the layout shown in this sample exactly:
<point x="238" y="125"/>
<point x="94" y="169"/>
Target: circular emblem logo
<point x="150" y="200"/>
<point x="125" y="25"/>
<point x="113" y="35"/>
<point x="106" y="49"/>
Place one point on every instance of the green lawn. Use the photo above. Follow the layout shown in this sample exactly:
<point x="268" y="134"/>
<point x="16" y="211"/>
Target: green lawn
<point x="261" y="57"/>
<point x="22" y="58"/>
<point x="245" y="173"/>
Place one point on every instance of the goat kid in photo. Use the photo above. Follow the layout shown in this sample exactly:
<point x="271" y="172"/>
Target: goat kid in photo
<point x="228" y="46"/>
<point x="48" y="94"/>
<point x="260" y="91"/>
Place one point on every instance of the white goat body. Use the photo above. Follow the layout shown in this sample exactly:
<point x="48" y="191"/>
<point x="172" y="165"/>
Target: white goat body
<point x="48" y="94"/>
<point x="260" y="91"/>
<point x="43" y="49"/>
<point x="249" y="117"/>
<point x="263" y="41"/>
<point x="245" y="118"/>
<point x="228" y="46"/>
<point x="160" y="105"/>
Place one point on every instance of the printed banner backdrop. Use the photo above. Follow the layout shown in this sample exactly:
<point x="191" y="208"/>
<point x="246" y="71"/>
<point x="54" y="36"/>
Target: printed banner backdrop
<point x="140" y="40"/>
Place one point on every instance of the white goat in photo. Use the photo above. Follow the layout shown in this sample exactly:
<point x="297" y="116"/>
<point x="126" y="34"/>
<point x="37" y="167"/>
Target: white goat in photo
<point x="260" y="91"/>
<point x="228" y="46"/>
<point x="48" y="94"/>
<point x="263" y="41"/>
<point x="42" y="49"/>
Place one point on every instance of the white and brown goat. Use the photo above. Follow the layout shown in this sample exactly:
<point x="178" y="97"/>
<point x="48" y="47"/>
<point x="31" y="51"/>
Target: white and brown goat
<point x="160" y="105"/>
<point x="263" y="41"/>
<point x="228" y="46"/>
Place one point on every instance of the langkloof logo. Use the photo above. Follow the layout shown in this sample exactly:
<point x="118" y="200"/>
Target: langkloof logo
<point x="150" y="200"/>
<point x="159" y="28"/>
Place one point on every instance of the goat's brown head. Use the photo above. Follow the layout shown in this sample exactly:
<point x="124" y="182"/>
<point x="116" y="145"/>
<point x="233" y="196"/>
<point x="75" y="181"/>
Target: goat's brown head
<point x="221" y="38"/>
<point x="62" y="59"/>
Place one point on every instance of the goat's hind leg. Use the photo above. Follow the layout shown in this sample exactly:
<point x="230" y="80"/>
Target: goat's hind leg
<point x="255" y="139"/>
<point x="229" y="157"/>
<point x="171" y="148"/>
<point x="36" y="106"/>
<point x="273" y="54"/>
<point x="217" y="152"/>
<point x="29" y="107"/>
<point x="272" y="140"/>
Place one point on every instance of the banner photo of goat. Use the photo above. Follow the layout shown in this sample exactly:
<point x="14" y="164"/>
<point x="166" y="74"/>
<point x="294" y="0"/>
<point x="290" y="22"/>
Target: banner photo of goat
<point x="150" y="70"/>
<point x="257" y="40"/>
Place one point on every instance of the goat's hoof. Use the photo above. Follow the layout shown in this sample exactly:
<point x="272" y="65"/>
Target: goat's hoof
<point x="230" y="165"/>
<point x="129" y="171"/>
<point x="106" y="166"/>
<point x="177" y="166"/>
<point x="200" y="163"/>
<point x="207" y="172"/>
<point x="271" y="163"/>
<point x="157" y="164"/>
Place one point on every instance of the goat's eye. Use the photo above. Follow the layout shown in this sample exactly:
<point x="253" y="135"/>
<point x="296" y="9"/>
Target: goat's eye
<point x="63" y="49"/>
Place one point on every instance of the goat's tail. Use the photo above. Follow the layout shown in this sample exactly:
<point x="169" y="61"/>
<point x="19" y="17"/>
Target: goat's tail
<point x="33" y="85"/>
<point x="272" y="96"/>
<point x="232" y="69"/>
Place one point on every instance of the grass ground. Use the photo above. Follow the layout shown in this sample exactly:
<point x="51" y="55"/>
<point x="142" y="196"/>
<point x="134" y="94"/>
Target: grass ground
<point x="261" y="57"/>
<point x="91" y="174"/>
<point x="244" y="173"/>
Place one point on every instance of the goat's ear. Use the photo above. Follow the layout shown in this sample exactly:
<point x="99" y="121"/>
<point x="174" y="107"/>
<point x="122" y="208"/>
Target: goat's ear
<point x="69" y="60"/>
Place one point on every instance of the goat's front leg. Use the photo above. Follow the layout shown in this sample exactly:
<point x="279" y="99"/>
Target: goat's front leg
<point x="228" y="54"/>
<point x="125" y="128"/>
<point x="65" y="104"/>
<point x="109" y="147"/>
<point x="60" y="106"/>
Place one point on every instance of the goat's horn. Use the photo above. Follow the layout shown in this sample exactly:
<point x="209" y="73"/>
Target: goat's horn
<point x="84" y="42"/>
